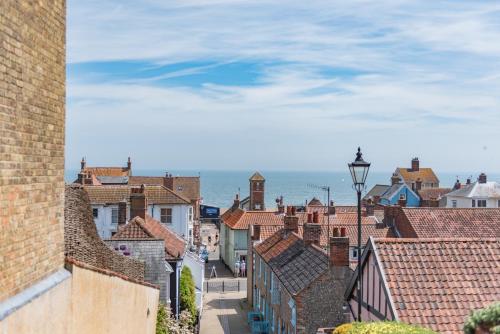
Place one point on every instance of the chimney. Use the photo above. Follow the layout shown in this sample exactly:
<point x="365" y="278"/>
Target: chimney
<point x="370" y="208"/>
<point x="468" y="181"/>
<point x="122" y="213"/>
<point x="168" y="181"/>
<point x="482" y="178"/>
<point x="138" y="203"/>
<point x="415" y="165"/>
<point x="315" y="217"/>
<point x="419" y="184"/>
<point x="402" y="202"/>
<point x="291" y="221"/>
<point x="281" y="207"/>
<point x="236" y="203"/>
<point x="331" y="208"/>
<point x="129" y="164"/>
<point x="339" y="248"/>
<point x="457" y="185"/>
<point x="312" y="231"/>
<point x="395" y="179"/>
<point x="255" y="232"/>
<point x="83" y="163"/>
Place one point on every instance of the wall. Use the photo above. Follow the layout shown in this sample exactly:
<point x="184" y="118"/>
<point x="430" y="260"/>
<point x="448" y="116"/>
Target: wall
<point x="197" y="267"/>
<point x="103" y="222"/>
<point x="180" y="223"/>
<point x="88" y="302"/>
<point x="152" y="252"/>
<point x="32" y="107"/>
<point x="465" y="202"/>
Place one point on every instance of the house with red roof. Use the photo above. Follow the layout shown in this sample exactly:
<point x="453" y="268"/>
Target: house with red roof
<point x="435" y="283"/>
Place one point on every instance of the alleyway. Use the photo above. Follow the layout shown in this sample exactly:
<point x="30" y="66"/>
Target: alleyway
<point x="224" y="312"/>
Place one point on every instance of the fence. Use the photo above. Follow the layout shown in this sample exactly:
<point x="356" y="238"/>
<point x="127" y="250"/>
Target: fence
<point x="236" y="285"/>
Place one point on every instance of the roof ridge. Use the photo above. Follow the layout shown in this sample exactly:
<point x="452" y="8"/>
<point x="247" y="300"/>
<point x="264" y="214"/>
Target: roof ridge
<point x="431" y="240"/>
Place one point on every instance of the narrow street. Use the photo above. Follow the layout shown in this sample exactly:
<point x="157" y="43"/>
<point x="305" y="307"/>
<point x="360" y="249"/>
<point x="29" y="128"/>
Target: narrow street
<point x="225" y="308"/>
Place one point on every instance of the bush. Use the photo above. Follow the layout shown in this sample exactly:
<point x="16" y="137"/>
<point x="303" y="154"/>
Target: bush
<point x="488" y="318"/>
<point x="385" y="327"/>
<point x="187" y="294"/>
<point x="166" y="324"/>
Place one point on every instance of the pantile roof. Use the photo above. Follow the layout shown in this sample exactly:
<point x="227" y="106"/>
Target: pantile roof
<point x="155" y="194"/>
<point x="139" y="180"/>
<point x="426" y="175"/>
<point x="185" y="186"/>
<point x="454" y="222"/>
<point x="107" y="171"/>
<point x="433" y="193"/>
<point x="139" y="228"/>
<point x="436" y="283"/>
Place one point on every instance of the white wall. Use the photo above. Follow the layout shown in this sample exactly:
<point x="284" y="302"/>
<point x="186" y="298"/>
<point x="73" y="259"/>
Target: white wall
<point x="466" y="202"/>
<point x="180" y="218"/>
<point x="197" y="267"/>
<point x="103" y="220"/>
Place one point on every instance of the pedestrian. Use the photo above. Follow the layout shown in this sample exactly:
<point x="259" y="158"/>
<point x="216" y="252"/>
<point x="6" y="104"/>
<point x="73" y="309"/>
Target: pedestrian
<point x="243" y="267"/>
<point x="237" y="268"/>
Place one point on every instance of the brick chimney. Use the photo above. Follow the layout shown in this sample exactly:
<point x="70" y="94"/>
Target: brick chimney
<point x="291" y="221"/>
<point x="122" y="213"/>
<point x="339" y="248"/>
<point x="457" y="185"/>
<point x="281" y="207"/>
<point x="138" y="203"/>
<point x="418" y="184"/>
<point x="415" y="165"/>
<point x="468" y="181"/>
<point x="236" y="202"/>
<point x="312" y="230"/>
<point x="168" y="181"/>
<point x="129" y="164"/>
<point x="370" y="208"/>
<point x="331" y="208"/>
<point x="482" y="178"/>
<point x="255" y="232"/>
<point x="395" y="179"/>
<point x="83" y="163"/>
<point x="315" y="217"/>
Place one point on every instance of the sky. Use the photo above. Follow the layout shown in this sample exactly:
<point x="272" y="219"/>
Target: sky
<point x="283" y="85"/>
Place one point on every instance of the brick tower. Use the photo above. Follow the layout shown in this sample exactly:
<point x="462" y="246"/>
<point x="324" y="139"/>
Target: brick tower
<point x="257" y="182"/>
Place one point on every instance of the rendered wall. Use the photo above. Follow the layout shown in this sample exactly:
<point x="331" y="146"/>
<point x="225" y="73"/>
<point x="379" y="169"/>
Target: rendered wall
<point x="32" y="106"/>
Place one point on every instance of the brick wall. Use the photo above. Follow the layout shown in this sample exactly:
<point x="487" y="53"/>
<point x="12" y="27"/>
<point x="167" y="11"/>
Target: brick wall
<point x="82" y="242"/>
<point x="32" y="111"/>
<point x="152" y="252"/>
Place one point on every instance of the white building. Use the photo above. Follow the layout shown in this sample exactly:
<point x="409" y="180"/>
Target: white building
<point x="172" y="210"/>
<point x="480" y="194"/>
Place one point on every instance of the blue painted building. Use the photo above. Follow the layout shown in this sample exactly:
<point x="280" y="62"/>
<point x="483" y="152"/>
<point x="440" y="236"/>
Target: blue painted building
<point x="397" y="192"/>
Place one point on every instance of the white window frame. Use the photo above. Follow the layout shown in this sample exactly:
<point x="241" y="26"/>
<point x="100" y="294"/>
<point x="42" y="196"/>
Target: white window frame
<point x="114" y="213"/>
<point x="453" y="203"/>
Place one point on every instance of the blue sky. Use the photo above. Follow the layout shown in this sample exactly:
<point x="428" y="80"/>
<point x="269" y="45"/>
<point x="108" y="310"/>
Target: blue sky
<point x="279" y="85"/>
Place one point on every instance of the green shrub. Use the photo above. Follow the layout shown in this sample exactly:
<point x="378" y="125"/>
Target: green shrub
<point x="383" y="327"/>
<point x="187" y="293"/>
<point x="488" y="318"/>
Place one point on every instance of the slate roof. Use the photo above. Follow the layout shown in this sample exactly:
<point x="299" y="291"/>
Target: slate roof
<point x="426" y="175"/>
<point x="436" y="283"/>
<point x="433" y="193"/>
<point x="138" y="228"/>
<point x="112" y="179"/>
<point x="478" y="190"/>
<point x="110" y="194"/>
<point x="377" y="190"/>
<point x="295" y="265"/>
<point x="454" y="222"/>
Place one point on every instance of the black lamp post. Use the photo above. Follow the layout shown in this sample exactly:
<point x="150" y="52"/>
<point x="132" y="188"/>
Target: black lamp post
<point x="359" y="171"/>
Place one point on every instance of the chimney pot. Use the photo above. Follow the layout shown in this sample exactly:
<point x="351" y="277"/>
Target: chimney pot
<point x="483" y="178"/>
<point x="342" y="232"/>
<point x="83" y="163"/>
<point x="294" y="209"/>
<point x="315" y="217"/>
<point x="336" y="232"/>
<point x="129" y="164"/>
<point x="312" y="234"/>
<point x="291" y="221"/>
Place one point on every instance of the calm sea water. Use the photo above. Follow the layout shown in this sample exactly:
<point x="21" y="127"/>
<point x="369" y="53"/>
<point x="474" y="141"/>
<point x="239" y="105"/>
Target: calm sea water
<point x="219" y="187"/>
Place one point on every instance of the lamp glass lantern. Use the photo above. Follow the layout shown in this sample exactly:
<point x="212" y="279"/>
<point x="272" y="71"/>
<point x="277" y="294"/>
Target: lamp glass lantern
<point x="359" y="171"/>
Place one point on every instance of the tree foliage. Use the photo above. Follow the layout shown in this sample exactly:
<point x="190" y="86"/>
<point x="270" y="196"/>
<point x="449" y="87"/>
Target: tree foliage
<point x="188" y="293"/>
<point x="383" y="327"/>
<point x="488" y="318"/>
<point x="166" y="323"/>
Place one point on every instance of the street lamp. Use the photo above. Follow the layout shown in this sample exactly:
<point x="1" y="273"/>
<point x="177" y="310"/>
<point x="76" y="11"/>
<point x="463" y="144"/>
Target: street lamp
<point x="359" y="171"/>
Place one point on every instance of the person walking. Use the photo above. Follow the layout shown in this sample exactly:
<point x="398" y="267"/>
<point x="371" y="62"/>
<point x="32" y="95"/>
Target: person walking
<point x="243" y="268"/>
<point x="237" y="268"/>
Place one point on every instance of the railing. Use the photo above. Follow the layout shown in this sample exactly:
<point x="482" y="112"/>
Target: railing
<point x="226" y="286"/>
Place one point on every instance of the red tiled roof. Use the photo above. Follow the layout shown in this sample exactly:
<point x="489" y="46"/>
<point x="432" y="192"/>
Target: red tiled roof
<point x="426" y="175"/>
<point x="185" y="186"/>
<point x="454" y="222"/>
<point x="436" y="283"/>
<point x="139" y="180"/>
<point x="108" y="171"/>
<point x="257" y="177"/>
<point x="433" y="193"/>
<point x="155" y="194"/>
<point x="137" y="228"/>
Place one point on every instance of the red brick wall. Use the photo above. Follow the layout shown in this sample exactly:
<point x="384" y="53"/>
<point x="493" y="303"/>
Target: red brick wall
<point x="32" y="112"/>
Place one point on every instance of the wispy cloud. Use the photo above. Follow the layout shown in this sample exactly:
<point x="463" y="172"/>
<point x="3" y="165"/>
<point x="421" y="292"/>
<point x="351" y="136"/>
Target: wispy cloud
<point x="401" y="78"/>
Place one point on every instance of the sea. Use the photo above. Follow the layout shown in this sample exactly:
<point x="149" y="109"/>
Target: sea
<point x="218" y="188"/>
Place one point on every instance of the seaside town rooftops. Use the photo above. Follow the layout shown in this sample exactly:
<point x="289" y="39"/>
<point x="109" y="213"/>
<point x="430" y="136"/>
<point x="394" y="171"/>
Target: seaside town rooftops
<point x="426" y="175"/>
<point x="433" y="193"/>
<point x="478" y="190"/>
<point x="445" y="222"/>
<point x="108" y="171"/>
<point x="155" y="194"/>
<point x="377" y="191"/>
<point x="150" y="228"/>
<point x="437" y="283"/>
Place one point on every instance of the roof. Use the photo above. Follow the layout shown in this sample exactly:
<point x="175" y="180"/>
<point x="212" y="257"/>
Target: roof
<point x="315" y="202"/>
<point x="426" y="175"/>
<point x="112" y="179"/>
<point x="155" y="194"/>
<point x="138" y="180"/>
<point x="433" y="193"/>
<point x="107" y="171"/>
<point x="185" y="186"/>
<point x="454" y="222"/>
<point x="436" y="283"/>
<point x="138" y="228"/>
<point x="394" y="190"/>
<point x="257" y="177"/>
<point x="478" y="190"/>
<point x="377" y="190"/>
<point x="294" y="264"/>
